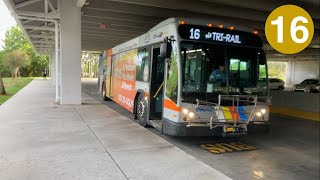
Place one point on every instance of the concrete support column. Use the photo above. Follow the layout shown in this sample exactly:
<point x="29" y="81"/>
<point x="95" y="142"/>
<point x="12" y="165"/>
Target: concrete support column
<point x="293" y="74"/>
<point x="57" y="61"/>
<point x="70" y="52"/>
<point x="288" y="81"/>
<point x="53" y="68"/>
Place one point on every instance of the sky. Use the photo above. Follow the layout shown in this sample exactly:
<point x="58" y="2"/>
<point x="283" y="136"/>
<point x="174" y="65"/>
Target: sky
<point x="6" y="21"/>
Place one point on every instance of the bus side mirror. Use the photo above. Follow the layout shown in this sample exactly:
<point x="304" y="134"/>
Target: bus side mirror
<point x="165" y="50"/>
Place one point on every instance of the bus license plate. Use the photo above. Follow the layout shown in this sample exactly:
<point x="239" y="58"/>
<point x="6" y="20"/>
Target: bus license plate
<point x="230" y="129"/>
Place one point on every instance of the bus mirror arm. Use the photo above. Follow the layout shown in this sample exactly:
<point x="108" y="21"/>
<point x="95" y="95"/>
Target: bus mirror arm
<point x="166" y="48"/>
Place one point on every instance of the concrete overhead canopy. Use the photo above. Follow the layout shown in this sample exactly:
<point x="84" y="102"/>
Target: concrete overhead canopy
<point x="106" y="23"/>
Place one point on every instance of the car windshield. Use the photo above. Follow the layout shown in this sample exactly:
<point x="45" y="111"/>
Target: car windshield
<point x="210" y="70"/>
<point x="310" y="81"/>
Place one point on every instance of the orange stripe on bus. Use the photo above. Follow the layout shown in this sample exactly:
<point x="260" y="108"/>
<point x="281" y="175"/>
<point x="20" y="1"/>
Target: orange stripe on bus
<point x="235" y="115"/>
<point x="171" y="105"/>
<point x="109" y="52"/>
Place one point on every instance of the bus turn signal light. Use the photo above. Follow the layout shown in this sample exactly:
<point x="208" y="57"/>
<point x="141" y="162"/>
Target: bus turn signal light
<point x="255" y="32"/>
<point x="182" y="22"/>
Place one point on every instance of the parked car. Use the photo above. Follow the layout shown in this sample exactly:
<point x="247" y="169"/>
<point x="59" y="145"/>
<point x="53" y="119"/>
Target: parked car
<point x="275" y="83"/>
<point x="307" y="85"/>
<point x="316" y="89"/>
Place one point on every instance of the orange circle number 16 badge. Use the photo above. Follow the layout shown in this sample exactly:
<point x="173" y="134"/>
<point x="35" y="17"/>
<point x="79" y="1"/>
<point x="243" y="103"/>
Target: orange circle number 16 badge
<point x="289" y="29"/>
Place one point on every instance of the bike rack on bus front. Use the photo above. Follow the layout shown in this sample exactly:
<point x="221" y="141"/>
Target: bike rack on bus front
<point x="236" y="99"/>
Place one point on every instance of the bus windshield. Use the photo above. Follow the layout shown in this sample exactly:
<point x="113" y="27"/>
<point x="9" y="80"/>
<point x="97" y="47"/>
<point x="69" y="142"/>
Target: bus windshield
<point x="209" y="70"/>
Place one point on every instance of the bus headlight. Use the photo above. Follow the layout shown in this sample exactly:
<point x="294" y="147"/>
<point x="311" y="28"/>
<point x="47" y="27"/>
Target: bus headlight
<point x="185" y="111"/>
<point x="263" y="111"/>
<point x="188" y="114"/>
<point x="259" y="114"/>
<point x="191" y="114"/>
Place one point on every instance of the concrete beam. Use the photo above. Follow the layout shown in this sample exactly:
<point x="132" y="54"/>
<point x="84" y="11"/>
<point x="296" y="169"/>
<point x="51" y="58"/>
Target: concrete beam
<point x="43" y="46"/>
<point x="96" y="41"/>
<point x="116" y="26"/>
<point x="45" y="25"/>
<point x="214" y="8"/>
<point x="110" y="32"/>
<point x="53" y="10"/>
<point x="115" y="14"/>
<point x="43" y="42"/>
<point x="202" y="7"/>
<point x="30" y="19"/>
<point x="163" y="13"/>
<point x="91" y="42"/>
<point x="37" y="14"/>
<point x="42" y="36"/>
<point x="26" y="21"/>
<point x="41" y="28"/>
<point x="271" y="5"/>
<point x="110" y="23"/>
<point x="25" y="3"/>
<point x="104" y="36"/>
<point x="87" y="27"/>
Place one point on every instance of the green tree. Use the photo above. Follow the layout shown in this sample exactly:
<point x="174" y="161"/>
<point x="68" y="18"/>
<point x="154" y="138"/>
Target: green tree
<point x="16" y="59"/>
<point x="277" y="69"/>
<point x="36" y="66"/>
<point x="14" y="40"/>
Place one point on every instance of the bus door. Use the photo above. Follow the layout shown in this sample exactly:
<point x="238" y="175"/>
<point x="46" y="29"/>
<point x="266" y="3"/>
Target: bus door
<point x="156" y="85"/>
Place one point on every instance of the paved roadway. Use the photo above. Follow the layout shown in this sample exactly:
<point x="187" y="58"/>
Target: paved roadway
<point x="289" y="151"/>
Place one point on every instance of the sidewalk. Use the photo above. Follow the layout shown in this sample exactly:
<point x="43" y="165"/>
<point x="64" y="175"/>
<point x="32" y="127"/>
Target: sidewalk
<point x="41" y="140"/>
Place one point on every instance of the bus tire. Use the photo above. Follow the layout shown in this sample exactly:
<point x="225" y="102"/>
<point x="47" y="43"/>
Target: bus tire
<point x="142" y="111"/>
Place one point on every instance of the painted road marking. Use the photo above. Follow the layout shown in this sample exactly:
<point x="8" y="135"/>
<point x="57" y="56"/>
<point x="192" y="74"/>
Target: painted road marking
<point x="219" y="148"/>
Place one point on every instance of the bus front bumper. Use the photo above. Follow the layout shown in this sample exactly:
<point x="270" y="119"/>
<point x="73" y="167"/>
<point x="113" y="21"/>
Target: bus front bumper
<point x="182" y="129"/>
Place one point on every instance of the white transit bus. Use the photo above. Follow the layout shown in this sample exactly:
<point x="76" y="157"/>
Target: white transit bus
<point x="188" y="77"/>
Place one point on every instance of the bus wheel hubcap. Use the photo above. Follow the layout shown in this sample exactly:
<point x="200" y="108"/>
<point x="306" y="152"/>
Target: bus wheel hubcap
<point x="141" y="108"/>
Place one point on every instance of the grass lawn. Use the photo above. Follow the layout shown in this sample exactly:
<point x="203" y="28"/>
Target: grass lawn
<point x="12" y="86"/>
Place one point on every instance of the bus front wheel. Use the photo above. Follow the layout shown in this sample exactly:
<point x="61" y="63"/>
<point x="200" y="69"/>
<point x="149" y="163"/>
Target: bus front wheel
<point x="142" y="111"/>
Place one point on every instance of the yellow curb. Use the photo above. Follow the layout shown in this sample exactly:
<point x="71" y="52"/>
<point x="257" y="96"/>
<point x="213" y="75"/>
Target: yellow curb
<point x="315" y="116"/>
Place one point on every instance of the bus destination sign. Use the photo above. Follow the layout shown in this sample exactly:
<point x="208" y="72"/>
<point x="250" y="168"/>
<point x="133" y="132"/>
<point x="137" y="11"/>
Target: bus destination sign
<point x="219" y="35"/>
<point x="222" y="37"/>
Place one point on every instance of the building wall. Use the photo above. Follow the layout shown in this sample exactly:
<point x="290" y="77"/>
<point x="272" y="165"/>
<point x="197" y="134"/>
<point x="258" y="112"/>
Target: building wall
<point x="296" y="100"/>
<point x="297" y="71"/>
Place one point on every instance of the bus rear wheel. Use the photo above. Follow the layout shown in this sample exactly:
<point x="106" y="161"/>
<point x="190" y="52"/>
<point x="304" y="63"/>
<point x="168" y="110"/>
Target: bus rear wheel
<point x="142" y="111"/>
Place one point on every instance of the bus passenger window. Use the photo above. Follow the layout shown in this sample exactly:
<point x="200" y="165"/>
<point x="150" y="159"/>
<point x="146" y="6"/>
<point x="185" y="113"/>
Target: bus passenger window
<point x="142" y="65"/>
